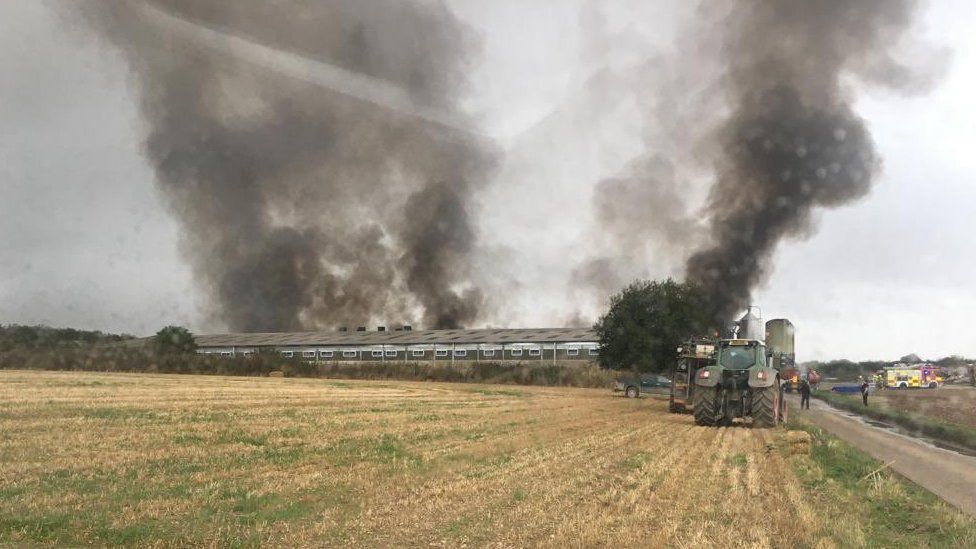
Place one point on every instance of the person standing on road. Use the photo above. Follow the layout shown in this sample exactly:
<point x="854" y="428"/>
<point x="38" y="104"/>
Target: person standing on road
<point x="864" y="391"/>
<point x="804" y="394"/>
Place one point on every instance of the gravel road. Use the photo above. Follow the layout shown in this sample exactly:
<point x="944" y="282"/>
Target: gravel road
<point x="947" y="474"/>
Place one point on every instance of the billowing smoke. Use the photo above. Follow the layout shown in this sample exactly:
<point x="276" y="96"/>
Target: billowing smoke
<point x="783" y="142"/>
<point x="792" y="142"/>
<point x="312" y="152"/>
<point x="643" y="213"/>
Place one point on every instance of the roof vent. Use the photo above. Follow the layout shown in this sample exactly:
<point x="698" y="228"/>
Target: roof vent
<point x="343" y="329"/>
<point x="361" y="329"/>
<point x="381" y="328"/>
<point x="407" y="327"/>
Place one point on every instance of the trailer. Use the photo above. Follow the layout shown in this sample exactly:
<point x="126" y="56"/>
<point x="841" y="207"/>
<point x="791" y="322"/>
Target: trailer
<point x="693" y="355"/>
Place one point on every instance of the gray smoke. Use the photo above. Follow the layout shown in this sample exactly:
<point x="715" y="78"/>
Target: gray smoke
<point x="792" y="142"/>
<point x="305" y="206"/>
<point x="785" y="142"/>
<point x="642" y="210"/>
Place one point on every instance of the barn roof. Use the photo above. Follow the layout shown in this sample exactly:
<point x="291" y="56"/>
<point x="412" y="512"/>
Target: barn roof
<point x="407" y="337"/>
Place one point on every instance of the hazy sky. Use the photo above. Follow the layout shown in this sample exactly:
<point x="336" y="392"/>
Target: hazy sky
<point x="86" y="242"/>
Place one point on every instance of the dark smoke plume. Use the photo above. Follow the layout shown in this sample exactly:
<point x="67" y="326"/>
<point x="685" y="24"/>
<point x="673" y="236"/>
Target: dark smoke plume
<point x="776" y="124"/>
<point x="792" y="142"/>
<point x="305" y="207"/>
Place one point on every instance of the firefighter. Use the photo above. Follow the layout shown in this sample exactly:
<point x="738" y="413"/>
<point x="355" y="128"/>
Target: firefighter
<point x="804" y="394"/>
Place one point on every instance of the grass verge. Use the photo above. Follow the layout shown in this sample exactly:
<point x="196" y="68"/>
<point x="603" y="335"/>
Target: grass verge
<point x="951" y="433"/>
<point x="867" y="505"/>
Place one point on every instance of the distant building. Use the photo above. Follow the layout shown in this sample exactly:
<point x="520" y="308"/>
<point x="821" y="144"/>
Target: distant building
<point x="552" y="344"/>
<point x="910" y="359"/>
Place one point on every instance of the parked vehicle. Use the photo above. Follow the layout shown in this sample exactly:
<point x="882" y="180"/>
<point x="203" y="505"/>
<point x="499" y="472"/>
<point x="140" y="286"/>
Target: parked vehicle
<point x="632" y="388"/>
<point x="791" y="377"/>
<point x="908" y="377"/>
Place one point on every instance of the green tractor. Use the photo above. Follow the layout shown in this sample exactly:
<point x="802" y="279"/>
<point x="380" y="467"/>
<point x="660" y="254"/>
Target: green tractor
<point x="743" y="381"/>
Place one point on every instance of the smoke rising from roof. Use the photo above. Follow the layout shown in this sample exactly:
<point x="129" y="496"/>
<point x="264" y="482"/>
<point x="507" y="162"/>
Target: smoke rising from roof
<point x="310" y="194"/>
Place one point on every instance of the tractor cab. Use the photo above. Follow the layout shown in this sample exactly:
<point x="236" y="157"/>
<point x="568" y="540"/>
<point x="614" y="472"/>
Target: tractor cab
<point x="741" y="354"/>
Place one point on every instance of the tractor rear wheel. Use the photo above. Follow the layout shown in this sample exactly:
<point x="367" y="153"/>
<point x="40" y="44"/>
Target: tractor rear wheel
<point x="764" y="407"/>
<point x="704" y="407"/>
<point x="782" y="413"/>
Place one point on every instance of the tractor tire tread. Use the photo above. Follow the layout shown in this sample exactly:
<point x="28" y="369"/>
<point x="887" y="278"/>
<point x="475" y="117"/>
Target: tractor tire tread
<point x="704" y="408"/>
<point x="764" y="407"/>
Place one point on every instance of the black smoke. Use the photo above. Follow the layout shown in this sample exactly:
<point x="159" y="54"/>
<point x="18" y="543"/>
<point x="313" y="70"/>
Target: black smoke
<point x="782" y="159"/>
<point x="761" y="94"/>
<point x="304" y="207"/>
<point x="792" y="142"/>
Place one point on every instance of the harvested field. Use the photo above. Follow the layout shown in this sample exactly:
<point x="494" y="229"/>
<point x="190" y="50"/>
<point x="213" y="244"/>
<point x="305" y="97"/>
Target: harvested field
<point x="955" y="404"/>
<point x="124" y="459"/>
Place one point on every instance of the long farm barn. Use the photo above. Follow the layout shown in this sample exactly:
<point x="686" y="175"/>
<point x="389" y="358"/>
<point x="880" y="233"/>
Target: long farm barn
<point x="552" y="344"/>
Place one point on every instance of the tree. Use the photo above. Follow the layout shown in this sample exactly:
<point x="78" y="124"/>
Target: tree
<point x="646" y="323"/>
<point x="173" y="340"/>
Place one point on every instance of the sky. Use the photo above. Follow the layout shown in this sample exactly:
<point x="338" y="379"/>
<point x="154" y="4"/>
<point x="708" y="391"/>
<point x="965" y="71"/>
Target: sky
<point x="87" y="242"/>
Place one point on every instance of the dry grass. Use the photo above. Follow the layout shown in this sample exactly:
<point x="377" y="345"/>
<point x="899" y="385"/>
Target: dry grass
<point x="155" y="460"/>
<point x="955" y="404"/>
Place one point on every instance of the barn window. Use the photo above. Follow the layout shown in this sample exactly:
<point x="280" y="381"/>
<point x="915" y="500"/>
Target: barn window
<point x="460" y="352"/>
<point x="350" y="354"/>
<point x="441" y="352"/>
<point x="391" y="354"/>
<point x="308" y="354"/>
<point x="325" y="354"/>
<point x="287" y="354"/>
<point x="377" y="354"/>
<point x="534" y="352"/>
<point x="516" y="352"/>
<point x="572" y="352"/>
<point x="594" y="351"/>
<point x="489" y="352"/>
<point x="417" y="352"/>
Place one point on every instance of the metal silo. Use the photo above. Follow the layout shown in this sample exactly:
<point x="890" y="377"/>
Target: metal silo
<point x="780" y="340"/>
<point x="751" y="326"/>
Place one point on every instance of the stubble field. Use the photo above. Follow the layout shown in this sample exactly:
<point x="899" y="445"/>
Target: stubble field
<point x="956" y="404"/>
<point x="154" y="460"/>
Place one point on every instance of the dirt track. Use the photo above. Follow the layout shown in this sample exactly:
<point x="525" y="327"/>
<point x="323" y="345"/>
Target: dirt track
<point x="947" y="474"/>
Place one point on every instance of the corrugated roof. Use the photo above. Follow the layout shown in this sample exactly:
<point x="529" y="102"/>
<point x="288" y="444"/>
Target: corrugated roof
<point x="411" y="337"/>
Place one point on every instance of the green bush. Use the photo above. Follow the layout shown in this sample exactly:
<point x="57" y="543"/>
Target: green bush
<point x="174" y="340"/>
